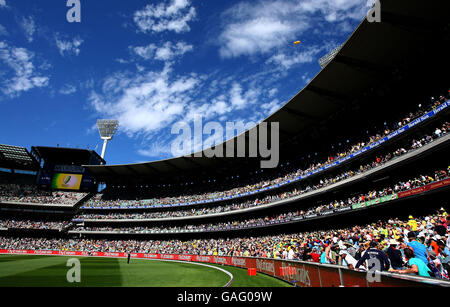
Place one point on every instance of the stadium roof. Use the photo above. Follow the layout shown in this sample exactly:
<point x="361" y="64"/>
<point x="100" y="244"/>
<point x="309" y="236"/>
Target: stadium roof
<point x="66" y="156"/>
<point x="15" y="157"/>
<point x="406" y="45"/>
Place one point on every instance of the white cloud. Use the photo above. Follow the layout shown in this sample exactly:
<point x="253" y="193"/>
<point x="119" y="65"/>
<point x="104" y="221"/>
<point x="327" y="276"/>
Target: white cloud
<point x="167" y="52"/>
<point x="122" y="61"/>
<point x="254" y="36"/>
<point x="335" y="10"/>
<point x="273" y="92"/>
<point x="87" y="84"/>
<point x="66" y="47"/>
<point x="3" y="31"/>
<point x="259" y="27"/>
<point x="157" y="149"/>
<point x="146" y="52"/>
<point x="25" y="77"/>
<point x="168" y="16"/>
<point x="219" y="106"/>
<point x="287" y="60"/>
<point x="148" y="103"/>
<point x="29" y="27"/>
<point x="240" y="100"/>
<point x="271" y="107"/>
<point x="2" y="3"/>
<point x="67" y="89"/>
<point x="145" y="102"/>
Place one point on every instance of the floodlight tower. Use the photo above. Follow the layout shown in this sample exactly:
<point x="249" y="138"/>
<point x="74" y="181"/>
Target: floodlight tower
<point x="107" y="129"/>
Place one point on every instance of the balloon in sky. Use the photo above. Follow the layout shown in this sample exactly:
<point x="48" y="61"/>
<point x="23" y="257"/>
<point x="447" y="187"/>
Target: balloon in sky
<point x="297" y="43"/>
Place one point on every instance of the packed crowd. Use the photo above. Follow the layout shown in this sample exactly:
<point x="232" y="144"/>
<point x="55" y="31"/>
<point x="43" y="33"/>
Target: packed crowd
<point x="32" y="194"/>
<point x="419" y="246"/>
<point x="297" y="191"/>
<point x="28" y="224"/>
<point x="99" y="201"/>
<point x="398" y="187"/>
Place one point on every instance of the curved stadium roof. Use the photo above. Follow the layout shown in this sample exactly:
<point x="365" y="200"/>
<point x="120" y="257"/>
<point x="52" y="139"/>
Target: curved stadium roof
<point x="374" y="53"/>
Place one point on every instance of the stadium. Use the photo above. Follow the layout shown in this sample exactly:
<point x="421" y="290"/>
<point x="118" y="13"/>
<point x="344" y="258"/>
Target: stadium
<point x="359" y="197"/>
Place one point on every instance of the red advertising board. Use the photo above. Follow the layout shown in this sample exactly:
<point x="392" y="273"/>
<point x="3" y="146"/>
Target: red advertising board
<point x="425" y="188"/>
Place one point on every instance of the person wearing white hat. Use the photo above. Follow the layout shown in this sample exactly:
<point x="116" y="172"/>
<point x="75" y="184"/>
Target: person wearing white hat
<point x="346" y="259"/>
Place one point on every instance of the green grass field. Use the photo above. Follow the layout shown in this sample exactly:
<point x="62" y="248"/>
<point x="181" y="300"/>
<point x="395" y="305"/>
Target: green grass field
<point x="50" y="271"/>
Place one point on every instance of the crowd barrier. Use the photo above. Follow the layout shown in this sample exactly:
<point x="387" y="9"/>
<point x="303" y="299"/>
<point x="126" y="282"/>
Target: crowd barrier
<point x="300" y="273"/>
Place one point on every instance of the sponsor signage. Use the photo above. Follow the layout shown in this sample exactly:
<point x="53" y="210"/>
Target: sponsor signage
<point x="310" y="216"/>
<point x="375" y="201"/>
<point x="266" y="266"/>
<point x="343" y="209"/>
<point x="328" y="212"/>
<point x="429" y="187"/>
<point x="372" y="202"/>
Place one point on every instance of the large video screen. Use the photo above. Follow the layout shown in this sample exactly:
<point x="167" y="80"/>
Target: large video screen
<point x="66" y="181"/>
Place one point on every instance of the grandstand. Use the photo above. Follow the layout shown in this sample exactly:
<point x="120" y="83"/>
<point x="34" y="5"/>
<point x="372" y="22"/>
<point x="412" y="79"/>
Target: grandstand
<point x="364" y="165"/>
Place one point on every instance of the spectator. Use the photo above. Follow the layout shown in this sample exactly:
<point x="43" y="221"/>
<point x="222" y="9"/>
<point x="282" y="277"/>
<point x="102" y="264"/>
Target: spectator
<point x="376" y="256"/>
<point x="315" y="256"/>
<point x="412" y="223"/>
<point x="346" y="259"/>
<point x="329" y="253"/>
<point x="419" y="249"/>
<point x="416" y="265"/>
<point x="395" y="255"/>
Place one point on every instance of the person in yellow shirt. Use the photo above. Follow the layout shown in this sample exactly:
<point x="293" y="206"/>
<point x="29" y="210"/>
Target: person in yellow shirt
<point x="384" y="232"/>
<point x="396" y="234"/>
<point x="412" y="223"/>
<point x="275" y="253"/>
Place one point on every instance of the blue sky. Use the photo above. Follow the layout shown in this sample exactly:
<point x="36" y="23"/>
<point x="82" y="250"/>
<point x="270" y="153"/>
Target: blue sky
<point x="151" y="64"/>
